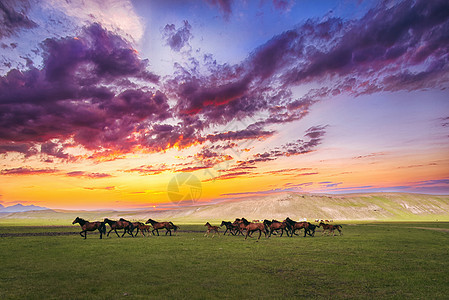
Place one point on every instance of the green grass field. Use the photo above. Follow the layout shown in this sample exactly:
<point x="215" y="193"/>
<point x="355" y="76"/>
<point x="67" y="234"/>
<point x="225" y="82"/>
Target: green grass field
<point x="377" y="260"/>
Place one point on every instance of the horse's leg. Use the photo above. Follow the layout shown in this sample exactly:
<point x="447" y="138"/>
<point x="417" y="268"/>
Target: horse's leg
<point x="260" y="233"/>
<point x="101" y="234"/>
<point x="85" y="234"/>
<point x="109" y="232"/>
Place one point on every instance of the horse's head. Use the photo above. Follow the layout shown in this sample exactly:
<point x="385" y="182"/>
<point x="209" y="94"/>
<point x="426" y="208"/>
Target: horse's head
<point x="223" y="223"/>
<point x="150" y="221"/>
<point x="267" y="222"/>
<point x="207" y="224"/>
<point x="245" y="221"/>
<point x="76" y="220"/>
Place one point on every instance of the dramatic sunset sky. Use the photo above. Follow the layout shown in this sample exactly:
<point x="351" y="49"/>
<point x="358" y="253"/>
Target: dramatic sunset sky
<point x="105" y="104"/>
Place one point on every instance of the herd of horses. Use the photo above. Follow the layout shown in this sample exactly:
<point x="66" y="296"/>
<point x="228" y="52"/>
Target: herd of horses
<point x="127" y="226"/>
<point x="290" y="227"/>
<point x="238" y="227"/>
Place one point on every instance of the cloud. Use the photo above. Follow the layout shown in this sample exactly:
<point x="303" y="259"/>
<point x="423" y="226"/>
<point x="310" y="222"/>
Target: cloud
<point x="229" y="176"/>
<point x="13" y="17"/>
<point x="118" y="16"/>
<point x="108" y="188"/>
<point x="27" y="171"/>
<point x="83" y="174"/>
<point x="225" y="7"/>
<point x="79" y="94"/>
<point x="177" y="38"/>
<point x="149" y="169"/>
<point x="95" y="91"/>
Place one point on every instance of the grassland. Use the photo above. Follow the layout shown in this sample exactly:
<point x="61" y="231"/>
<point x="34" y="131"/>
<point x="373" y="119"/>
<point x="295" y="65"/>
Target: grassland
<point x="374" y="260"/>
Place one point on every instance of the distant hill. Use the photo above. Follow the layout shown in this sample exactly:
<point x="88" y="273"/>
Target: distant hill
<point x="373" y="206"/>
<point x="370" y="207"/>
<point x="20" y="208"/>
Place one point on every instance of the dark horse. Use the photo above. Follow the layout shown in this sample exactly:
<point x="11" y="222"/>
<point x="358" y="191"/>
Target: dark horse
<point x="121" y="224"/>
<point x="90" y="226"/>
<point x="229" y="226"/>
<point x="251" y="227"/>
<point x="160" y="225"/>
<point x="274" y="225"/>
<point x="330" y="228"/>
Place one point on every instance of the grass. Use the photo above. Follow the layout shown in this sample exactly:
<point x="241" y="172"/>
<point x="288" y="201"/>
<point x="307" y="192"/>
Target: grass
<point x="375" y="260"/>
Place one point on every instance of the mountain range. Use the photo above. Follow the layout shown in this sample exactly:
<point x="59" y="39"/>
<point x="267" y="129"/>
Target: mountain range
<point x="20" y="208"/>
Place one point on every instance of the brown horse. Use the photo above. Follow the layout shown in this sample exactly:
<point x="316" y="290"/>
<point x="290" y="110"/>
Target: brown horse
<point x="330" y="228"/>
<point x="293" y="226"/>
<point x="274" y="225"/>
<point x="211" y="228"/>
<point x="141" y="227"/>
<point x="127" y="226"/>
<point x="252" y="227"/>
<point x="240" y="225"/>
<point x="160" y="225"/>
<point x="90" y="226"/>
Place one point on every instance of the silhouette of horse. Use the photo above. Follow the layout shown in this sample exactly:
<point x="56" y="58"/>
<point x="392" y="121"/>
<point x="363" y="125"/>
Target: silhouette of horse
<point x="330" y="228"/>
<point x="274" y="225"/>
<point x="90" y="226"/>
<point x="160" y="225"/>
<point x="211" y="228"/>
<point x="293" y="226"/>
<point x="229" y="226"/>
<point x="127" y="226"/>
<point x="252" y="227"/>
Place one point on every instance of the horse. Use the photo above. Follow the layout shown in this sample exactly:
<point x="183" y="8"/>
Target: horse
<point x="211" y="228"/>
<point x="240" y="225"/>
<point x="159" y="225"/>
<point x="141" y="227"/>
<point x="293" y="226"/>
<point x="274" y="226"/>
<point x="311" y="229"/>
<point x="90" y="226"/>
<point x="121" y="224"/>
<point x="229" y="226"/>
<point x="330" y="228"/>
<point x="251" y="227"/>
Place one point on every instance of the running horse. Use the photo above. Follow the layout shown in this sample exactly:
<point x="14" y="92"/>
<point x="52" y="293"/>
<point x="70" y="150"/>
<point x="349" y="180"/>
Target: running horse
<point x="127" y="226"/>
<point x="211" y="228"/>
<point x="142" y="228"/>
<point x="252" y="227"/>
<point x="274" y="225"/>
<point x="293" y="226"/>
<point x="90" y="226"/>
<point x="160" y="225"/>
<point x="330" y="228"/>
<point x="229" y="226"/>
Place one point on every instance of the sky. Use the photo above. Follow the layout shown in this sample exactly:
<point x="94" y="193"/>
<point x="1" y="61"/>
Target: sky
<point x="129" y="104"/>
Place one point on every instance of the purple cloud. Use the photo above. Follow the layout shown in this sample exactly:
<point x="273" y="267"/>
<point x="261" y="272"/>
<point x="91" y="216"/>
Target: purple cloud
<point x="27" y="171"/>
<point x="13" y="17"/>
<point x="177" y="38"/>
